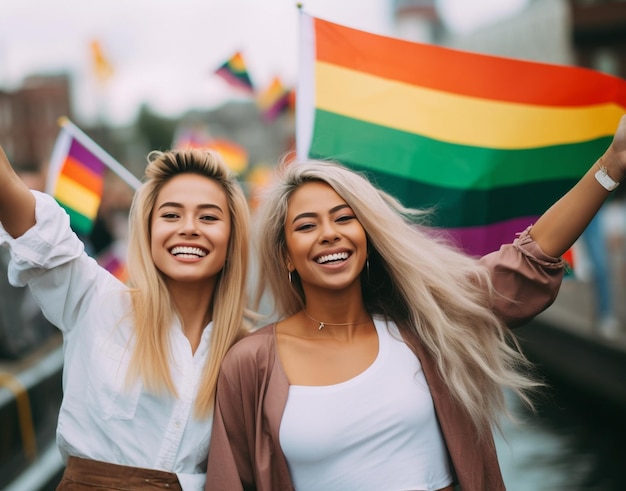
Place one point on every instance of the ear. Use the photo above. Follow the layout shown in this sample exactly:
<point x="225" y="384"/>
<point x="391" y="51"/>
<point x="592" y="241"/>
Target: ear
<point x="289" y="265"/>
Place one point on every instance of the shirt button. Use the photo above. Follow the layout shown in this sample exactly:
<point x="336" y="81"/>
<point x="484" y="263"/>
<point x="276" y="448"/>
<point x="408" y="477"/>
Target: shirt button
<point x="177" y="424"/>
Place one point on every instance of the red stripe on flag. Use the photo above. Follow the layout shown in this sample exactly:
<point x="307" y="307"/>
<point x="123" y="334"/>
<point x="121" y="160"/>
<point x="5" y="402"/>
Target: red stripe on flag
<point x="444" y="69"/>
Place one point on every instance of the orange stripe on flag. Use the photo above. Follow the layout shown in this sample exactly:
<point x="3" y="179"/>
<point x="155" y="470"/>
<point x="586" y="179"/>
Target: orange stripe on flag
<point x="74" y="170"/>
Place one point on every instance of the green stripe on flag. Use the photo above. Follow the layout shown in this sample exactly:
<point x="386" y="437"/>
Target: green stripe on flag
<point x="469" y="208"/>
<point x="80" y="223"/>
<point x="401" y="154"/>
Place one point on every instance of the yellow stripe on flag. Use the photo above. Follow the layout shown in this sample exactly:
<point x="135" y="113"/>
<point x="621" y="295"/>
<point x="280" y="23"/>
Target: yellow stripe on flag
<point x="458" y="119"/>
<point x="77" y="197"/>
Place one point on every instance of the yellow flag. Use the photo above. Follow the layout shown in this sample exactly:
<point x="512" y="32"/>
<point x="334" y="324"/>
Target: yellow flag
<point x="101" y="66"/>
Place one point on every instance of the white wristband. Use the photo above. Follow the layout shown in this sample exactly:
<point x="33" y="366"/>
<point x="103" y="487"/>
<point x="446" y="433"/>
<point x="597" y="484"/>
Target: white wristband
<point x="602" y="176"/>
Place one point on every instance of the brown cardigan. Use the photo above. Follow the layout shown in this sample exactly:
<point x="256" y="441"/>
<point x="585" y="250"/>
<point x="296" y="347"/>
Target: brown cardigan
<point x="252" y="390"/>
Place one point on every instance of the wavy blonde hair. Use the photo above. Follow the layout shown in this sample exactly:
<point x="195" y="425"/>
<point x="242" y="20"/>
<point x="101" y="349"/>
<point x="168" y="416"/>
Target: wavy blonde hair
<point x="428" y="288"/>
<point x="154" y="310"/>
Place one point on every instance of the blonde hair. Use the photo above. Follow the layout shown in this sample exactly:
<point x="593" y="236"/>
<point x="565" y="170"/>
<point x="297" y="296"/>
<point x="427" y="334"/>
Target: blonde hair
<point x="153" y="308"/>
<point x="427" y="287"/>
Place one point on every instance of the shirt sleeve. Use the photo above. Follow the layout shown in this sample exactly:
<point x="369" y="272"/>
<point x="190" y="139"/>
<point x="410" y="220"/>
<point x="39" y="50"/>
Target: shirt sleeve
<point x="526" y="280"/>
<point x="47" y="244"/>
<point x="67" y="284"/>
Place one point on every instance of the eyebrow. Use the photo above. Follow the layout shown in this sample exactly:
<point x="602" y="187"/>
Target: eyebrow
<point x="312" y="215"/>
<point x="206" y="206"/>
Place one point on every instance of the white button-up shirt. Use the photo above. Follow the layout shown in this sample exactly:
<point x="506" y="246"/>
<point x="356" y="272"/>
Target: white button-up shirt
<point x="101" y="417"/>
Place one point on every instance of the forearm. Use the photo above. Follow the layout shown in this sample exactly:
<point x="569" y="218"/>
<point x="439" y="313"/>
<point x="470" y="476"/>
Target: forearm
<point x="561" y="225"/>
<point x="17" y="203"/>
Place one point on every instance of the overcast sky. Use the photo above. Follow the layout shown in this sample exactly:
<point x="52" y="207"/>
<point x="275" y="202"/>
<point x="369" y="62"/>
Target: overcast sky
<point x="164" y="52"/>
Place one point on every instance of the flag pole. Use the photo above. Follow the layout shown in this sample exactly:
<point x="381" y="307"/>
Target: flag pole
<point x="106" y="159"/>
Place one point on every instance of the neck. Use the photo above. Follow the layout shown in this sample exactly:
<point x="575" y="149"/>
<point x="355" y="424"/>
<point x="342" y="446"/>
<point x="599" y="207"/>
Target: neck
<point x="192" y="305"/>
<point x="365" y="318"/>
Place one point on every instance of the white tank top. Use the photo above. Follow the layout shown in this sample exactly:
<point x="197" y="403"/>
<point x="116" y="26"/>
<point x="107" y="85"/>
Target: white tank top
<point x="374" y="432"/>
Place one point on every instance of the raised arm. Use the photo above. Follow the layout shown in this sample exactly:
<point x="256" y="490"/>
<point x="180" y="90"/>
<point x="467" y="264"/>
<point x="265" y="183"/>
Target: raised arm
<point x="559" y="227"/>
<point x="17" y="203"/>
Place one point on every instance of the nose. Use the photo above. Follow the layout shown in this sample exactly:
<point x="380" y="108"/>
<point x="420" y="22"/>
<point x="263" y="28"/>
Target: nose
<point x="188" y="226"/>
<point x="328" y="233"/>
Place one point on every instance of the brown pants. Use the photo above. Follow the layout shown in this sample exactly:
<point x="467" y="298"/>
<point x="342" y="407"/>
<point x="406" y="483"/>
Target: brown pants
<point x="90" y="474"/>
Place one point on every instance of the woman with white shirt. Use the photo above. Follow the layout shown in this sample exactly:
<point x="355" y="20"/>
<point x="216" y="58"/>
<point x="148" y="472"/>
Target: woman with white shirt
<point x="387" y="367"/>
<point x="140" y="360"/>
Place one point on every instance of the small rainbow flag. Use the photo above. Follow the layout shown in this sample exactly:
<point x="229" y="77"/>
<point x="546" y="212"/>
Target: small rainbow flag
<point x="78" y="180"/>
<point x="235" y="156"/>
<point x="235" y="73"/>
<point x="76" y="175"/>
<point x="111" y="260"/>
<point x="274" y="100"/>
<point x="191" y="136"/>
<point x="488" y="142"/>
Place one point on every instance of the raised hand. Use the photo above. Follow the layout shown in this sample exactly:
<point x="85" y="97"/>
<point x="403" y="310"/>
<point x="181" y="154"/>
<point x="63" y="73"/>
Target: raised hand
<point x="17" y="204"/>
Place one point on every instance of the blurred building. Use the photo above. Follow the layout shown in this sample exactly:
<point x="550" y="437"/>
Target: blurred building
<point x="540" y="31"/>
<point x="28" y="118"/>
<point x="589" y="33"/>
<point x="416" y="20"/>
<point x="599" y="34"/>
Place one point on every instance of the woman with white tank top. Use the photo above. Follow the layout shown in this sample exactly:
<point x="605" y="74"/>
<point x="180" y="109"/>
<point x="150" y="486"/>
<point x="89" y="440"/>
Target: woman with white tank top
<point x="387" y="367"/>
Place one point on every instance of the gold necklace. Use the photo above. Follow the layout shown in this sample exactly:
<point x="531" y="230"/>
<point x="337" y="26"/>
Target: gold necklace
<point x="323" y="324"/>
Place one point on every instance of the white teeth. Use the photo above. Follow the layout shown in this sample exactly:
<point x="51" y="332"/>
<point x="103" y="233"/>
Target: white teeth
<point x="188" y="252"/>
<point x="332" y="257"/>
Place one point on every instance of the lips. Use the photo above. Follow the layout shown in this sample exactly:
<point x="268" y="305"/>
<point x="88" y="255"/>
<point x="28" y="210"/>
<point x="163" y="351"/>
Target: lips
<point x="188" y="252"/>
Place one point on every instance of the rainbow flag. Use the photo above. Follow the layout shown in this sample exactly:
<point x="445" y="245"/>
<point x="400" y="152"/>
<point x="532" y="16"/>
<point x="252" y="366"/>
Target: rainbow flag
<point x="274" y="100"/>
<point x="191" y="136"/>
<point x="235" y="156"/>
<point x="76" y="180"/>
<point x="76" y="175"/>
<point x="488" y="142"/>
<point x="235" y="73"/>
<point x="113" y="261"/>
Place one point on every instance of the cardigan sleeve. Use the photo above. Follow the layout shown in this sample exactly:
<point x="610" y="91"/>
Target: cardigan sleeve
<point x="526" y="280"/>
<point x="244" y="453"/>
<point x="229" y="466"/>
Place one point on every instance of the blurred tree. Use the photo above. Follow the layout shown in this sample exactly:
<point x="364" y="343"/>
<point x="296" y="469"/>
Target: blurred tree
<point x="157" y="131"/>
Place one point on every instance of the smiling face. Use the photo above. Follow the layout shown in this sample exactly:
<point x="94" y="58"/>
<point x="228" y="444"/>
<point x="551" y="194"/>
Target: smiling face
<point x="190" y="229"/>
<point x="326" y="244"/>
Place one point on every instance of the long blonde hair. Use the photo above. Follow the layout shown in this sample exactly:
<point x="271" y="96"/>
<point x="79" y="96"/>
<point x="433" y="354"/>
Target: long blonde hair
<point x="153" y="308"/>
<point x="429" y="289"/>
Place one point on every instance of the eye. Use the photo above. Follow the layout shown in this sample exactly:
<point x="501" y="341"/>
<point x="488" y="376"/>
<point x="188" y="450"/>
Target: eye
<point x="209" y="218"/>
<point x="345" y="218"/>
<point x="170" y="215"/>
<point x="304" y="227"/>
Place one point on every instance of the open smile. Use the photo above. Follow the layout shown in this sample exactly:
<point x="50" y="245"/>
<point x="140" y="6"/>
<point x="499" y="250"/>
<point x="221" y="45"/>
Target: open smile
<point x="188" y="252"/>
<point x="332" y="258"/>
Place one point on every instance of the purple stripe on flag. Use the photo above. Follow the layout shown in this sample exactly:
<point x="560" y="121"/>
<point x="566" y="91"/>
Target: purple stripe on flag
<point x="478" y="241"/>
<point x="86" y="157"/>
